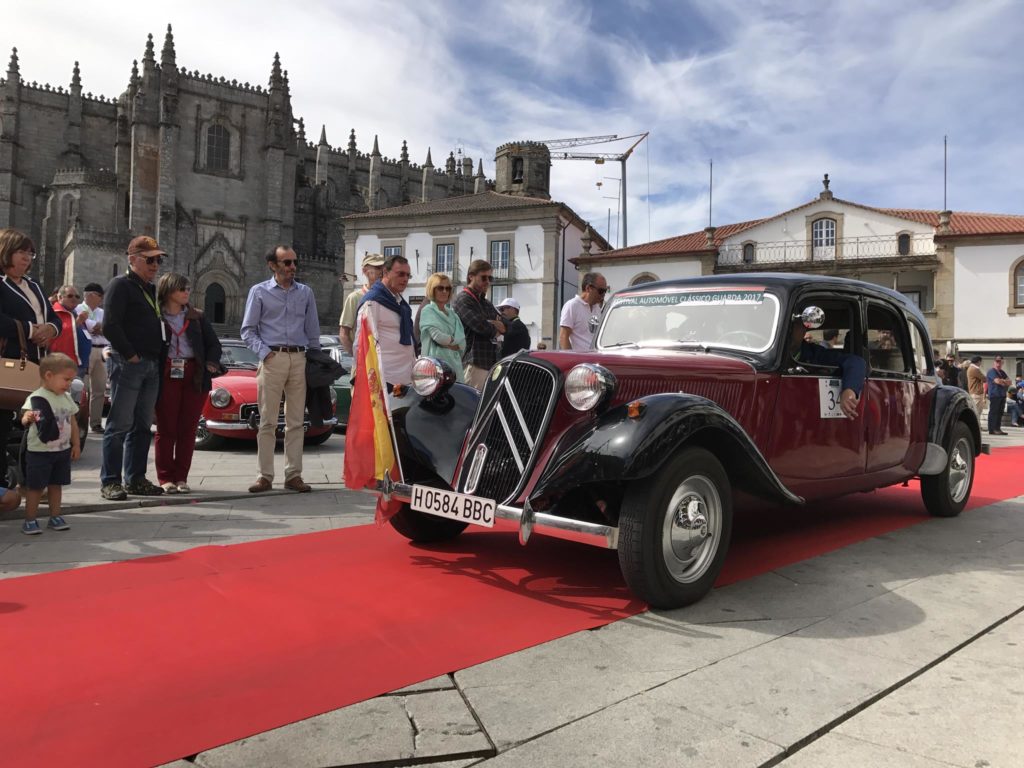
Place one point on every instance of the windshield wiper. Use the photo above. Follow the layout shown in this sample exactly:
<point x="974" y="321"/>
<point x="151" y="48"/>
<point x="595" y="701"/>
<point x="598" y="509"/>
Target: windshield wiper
<point x="622" y="344"/>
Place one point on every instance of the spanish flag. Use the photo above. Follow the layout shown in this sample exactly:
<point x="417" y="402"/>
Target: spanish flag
<point x="369" y="450"/>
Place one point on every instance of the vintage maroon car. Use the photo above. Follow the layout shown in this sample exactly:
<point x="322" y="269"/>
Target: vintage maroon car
<point x="695" y="389"/>
<point x="231" y="409"/>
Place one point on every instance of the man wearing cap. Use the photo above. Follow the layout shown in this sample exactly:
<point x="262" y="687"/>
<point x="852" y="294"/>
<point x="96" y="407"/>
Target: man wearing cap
<point x="279" y="325"/>
<point x="976" y="384"/>
<point x="517" y="335"/>
<point x="998" y="382"/>
<point x="373" y="270"/>
<point x="137" y="340"/>
<point x="96" y="378"/>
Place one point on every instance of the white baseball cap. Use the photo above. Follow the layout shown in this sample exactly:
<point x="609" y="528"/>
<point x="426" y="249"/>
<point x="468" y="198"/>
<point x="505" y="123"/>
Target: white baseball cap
<point x="509" y="302"/>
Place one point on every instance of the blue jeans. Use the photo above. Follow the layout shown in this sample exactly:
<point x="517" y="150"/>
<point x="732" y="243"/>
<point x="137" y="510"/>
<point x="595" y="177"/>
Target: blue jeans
<point x="1014" y="408"/>
<point x="133" y="392"/>
<point x="995" y="413"/>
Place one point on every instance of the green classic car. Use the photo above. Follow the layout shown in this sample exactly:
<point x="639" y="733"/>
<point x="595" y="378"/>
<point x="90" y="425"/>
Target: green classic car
<point x="342" y="387"/>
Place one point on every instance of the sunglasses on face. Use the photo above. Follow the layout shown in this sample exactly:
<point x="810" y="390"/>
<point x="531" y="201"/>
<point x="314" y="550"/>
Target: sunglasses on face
<point x="72" y="296"/>
<point x="32" y="254"/>
<point x="600" y="291"/>
<point x="443" y="288"/>
<point x="288" y="262"/>
<point x="154" y="260"/>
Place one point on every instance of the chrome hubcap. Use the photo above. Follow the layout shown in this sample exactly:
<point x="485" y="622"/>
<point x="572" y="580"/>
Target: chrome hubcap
<point x="692" y="529"/>
<point x="959" y="470"/>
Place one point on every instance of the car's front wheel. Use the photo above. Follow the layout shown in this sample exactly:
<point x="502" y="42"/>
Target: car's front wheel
<point x="946" y="494"/>
<point x="206" y="440"/>
<point x="423" y="528"/>
<point x="674" y="530"/>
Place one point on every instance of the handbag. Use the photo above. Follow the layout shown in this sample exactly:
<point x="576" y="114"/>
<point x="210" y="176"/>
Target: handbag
<point x="19" y="377"/>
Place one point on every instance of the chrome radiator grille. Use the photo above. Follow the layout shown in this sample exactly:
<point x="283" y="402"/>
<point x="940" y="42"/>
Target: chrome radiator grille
<point x="511" y="428"/>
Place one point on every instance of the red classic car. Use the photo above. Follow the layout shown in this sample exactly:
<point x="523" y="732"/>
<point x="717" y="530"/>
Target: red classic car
<point x="231" y="409"/>
<point x="789" y="387"/>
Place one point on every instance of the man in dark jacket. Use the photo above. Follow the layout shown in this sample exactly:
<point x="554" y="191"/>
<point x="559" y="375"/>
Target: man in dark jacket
<point x="517" y="335"/>
<point x="137" y="339"/>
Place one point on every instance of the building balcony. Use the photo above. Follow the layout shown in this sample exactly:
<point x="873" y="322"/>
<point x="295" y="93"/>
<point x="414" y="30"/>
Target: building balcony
<point x="853" y="253"/>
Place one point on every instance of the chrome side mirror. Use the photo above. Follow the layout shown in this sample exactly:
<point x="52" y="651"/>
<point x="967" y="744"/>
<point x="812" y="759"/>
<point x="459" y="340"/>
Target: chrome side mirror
<point x="812" y="317"/>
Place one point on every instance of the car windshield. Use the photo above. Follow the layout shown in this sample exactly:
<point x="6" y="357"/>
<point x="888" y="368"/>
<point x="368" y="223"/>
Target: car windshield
<point x="724" y="317"/>
<point x="237" y="356"/>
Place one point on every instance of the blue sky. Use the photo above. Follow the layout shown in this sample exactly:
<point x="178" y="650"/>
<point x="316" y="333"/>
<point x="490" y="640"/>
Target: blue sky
<point x="777" y="93"/>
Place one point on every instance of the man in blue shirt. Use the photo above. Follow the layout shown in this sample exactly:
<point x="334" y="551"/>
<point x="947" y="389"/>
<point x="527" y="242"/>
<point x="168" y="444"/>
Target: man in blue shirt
<point x="998" y="382"/>
<point x="279" y="325"/>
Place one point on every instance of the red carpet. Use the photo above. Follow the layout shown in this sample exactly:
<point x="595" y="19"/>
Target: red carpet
<point x="141" y="662"/>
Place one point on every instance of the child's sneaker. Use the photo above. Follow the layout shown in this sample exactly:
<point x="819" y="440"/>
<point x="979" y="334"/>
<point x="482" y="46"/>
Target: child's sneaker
<point x="31" y="527"/>
<point x="57" y="523"/>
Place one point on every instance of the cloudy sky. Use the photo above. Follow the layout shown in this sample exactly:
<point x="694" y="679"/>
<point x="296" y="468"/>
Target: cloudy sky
<point x="776" y="93"/>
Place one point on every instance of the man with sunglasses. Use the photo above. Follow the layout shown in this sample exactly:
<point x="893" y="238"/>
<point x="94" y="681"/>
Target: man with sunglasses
<point x="574" y="324"/>
<point x="481" y="322"/>
<point x="279" y="325"/>
<point x="137" y="338"/>
<point x="73" y="340"/>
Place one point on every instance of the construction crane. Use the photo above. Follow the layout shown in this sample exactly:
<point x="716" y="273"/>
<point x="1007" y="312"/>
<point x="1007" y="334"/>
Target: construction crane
<point x="577" y="142"/>
<point x="600" y="158"/>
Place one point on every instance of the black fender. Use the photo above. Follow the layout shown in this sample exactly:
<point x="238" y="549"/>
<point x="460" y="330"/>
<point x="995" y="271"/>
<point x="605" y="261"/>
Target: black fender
<point x="952" y="404"/>
<point x="430" y="432"/>
<point x="614" y="447"/>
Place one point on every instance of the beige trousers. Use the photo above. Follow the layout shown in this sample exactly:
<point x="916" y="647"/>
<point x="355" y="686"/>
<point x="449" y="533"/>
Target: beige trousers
<point x="284" y="374"/>
<point x="97" y="385"/>
<point x="475" y="377"/>
<point x="979" y="404"/>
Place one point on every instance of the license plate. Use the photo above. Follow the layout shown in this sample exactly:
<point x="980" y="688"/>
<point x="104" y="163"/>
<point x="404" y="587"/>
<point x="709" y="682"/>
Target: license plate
<point x="454" y="506"/>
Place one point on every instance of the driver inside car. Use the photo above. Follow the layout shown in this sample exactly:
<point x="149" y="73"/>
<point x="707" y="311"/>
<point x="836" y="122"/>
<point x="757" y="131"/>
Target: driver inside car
<point x="854" y="369"/>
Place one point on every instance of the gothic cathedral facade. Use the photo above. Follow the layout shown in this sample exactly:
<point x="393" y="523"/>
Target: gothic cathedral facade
<point x="218" y="171"/>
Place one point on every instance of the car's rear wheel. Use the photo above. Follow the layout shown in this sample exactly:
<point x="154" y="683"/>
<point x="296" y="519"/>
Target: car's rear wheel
<point x="423" y="528"/>
<point x="674" y="530"/>
<point x="946" y="494"/>
<point x="206" y="440"/>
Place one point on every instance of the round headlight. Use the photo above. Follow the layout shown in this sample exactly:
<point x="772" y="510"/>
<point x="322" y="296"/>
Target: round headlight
<point x="431" y="376"/>
<point x="587" y="385"/>
<point x="220" y="398"/>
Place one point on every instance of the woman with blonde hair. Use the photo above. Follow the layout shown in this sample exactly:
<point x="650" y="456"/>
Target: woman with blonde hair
<point x="441" y="331"/>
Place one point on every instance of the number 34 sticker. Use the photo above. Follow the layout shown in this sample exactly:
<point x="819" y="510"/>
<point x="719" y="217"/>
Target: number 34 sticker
<point x="828" y="398"/>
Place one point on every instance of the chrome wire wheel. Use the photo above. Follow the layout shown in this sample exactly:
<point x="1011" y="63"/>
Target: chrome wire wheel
<point x="960" y="469"/>
<point x="692" y="528"/>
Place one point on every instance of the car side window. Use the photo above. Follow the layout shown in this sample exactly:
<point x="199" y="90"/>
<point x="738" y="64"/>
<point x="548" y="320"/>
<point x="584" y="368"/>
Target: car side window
<point x="923" y="362"/>
<point x="887" y="343"/>
<point x="839" y="329"/>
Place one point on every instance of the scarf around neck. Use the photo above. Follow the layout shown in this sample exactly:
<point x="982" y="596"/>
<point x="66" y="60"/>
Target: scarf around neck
<point x="380" y="294"/>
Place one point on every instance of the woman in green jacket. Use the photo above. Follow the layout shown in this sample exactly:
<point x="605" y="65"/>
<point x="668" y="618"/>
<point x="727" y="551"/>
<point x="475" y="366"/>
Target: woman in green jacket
<point x="441" y="331"/>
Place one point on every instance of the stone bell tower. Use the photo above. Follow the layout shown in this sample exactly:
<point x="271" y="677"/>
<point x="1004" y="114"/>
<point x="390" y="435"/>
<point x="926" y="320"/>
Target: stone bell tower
<point x="523" y="169"/>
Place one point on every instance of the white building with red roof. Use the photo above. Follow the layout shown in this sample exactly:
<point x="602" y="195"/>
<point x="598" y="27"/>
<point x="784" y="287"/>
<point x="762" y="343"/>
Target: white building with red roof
<point x="965" y="270"/>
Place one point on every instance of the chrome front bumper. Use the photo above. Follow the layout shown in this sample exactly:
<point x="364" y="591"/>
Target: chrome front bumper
<point x="232" y="426"/>
<point x="530" y="521"/>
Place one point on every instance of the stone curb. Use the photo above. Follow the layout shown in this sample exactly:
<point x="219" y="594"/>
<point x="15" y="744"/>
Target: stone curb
<point x="171" y="500"/>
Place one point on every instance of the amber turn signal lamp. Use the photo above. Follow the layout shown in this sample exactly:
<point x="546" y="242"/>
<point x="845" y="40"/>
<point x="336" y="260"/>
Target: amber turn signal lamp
<point x="635" y="409"/>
